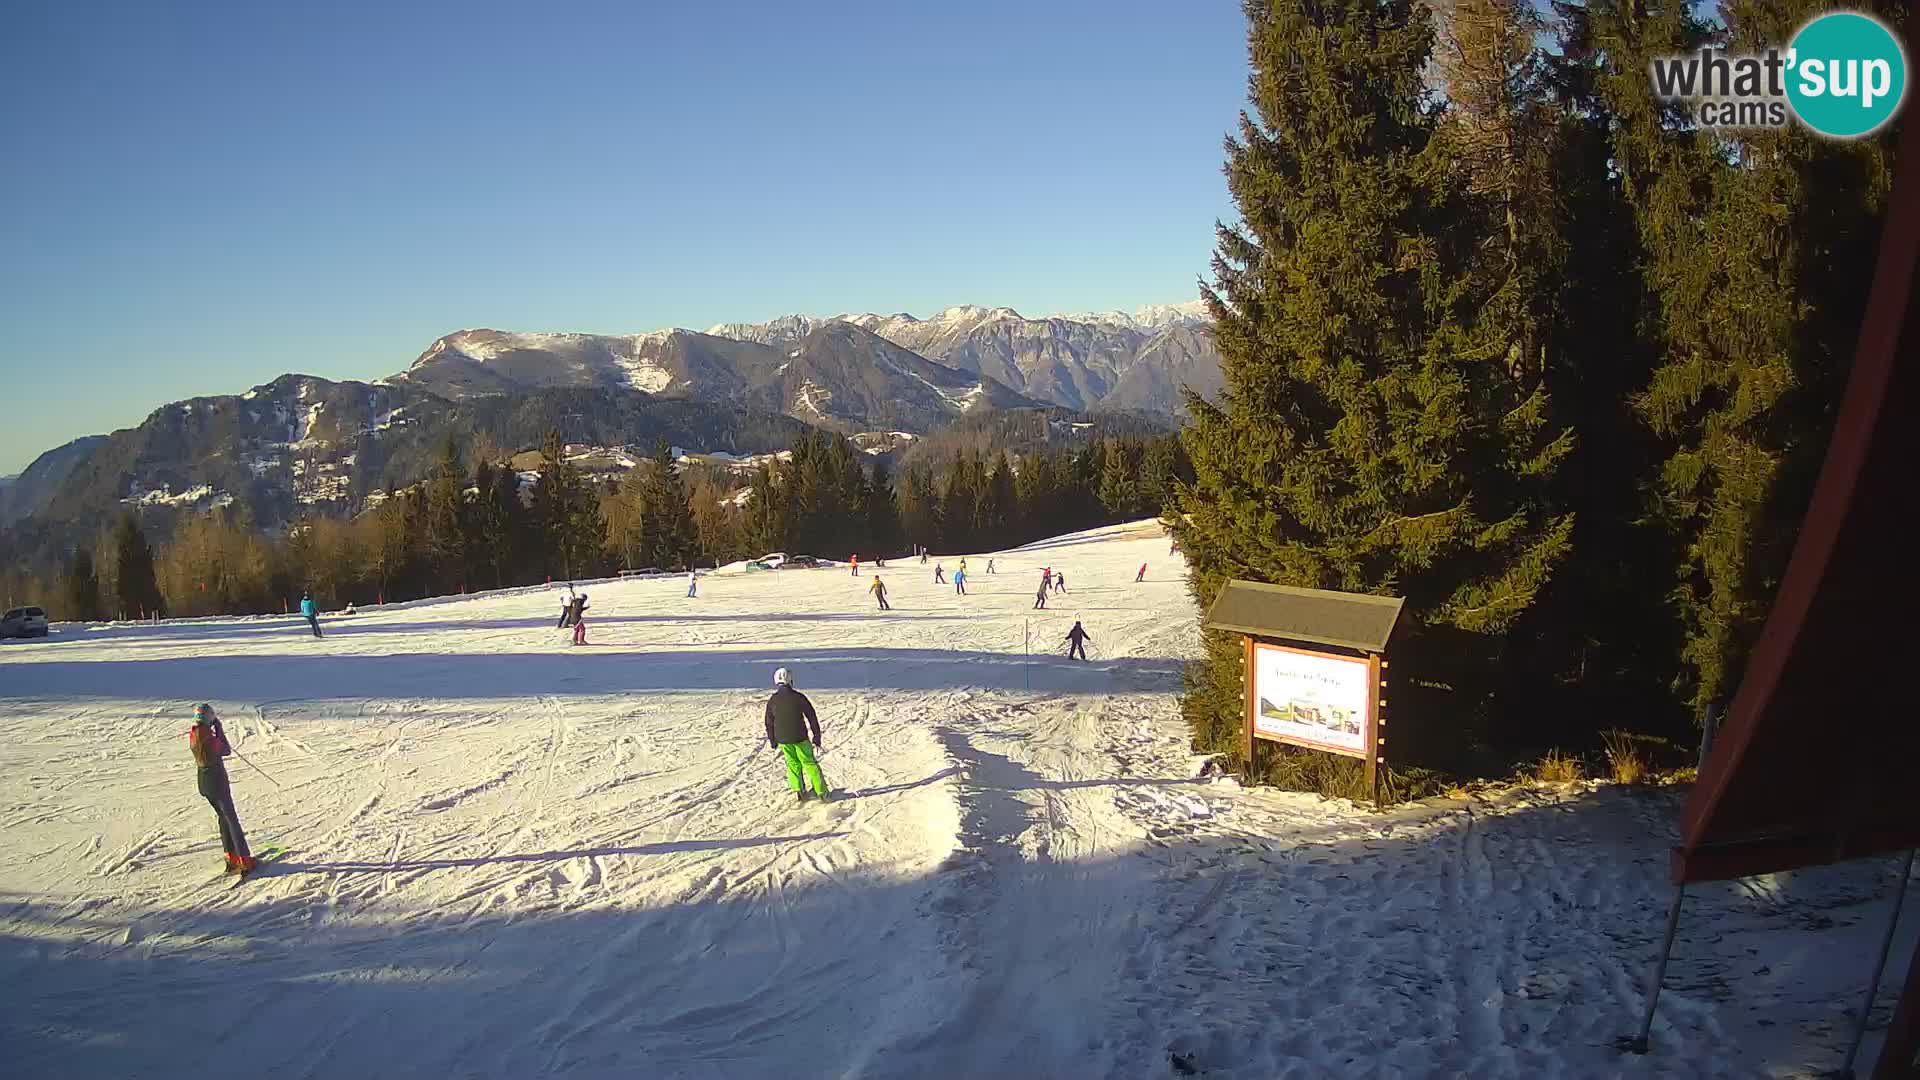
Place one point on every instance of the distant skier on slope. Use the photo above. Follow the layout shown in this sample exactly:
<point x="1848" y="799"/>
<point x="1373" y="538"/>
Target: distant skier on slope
<point x="879" y="591"/>
<point x="791" y="723"/>
<point x="1077" y="641"/>
<point x="312" y="612"/>
<point x="960" y="581"/>
<point x="576" y="618"/>
<point x="1142" y="575"/>
<point x="1060" y="581"/>
<point x="209" y="745"/>
<point x="566" y="613"/>
<point x="693" y="583"/>
<point x="939" y="574"/>
<point x="989" y="566"/>
<point x="1040" y="598"/>
<point x="854" y="561"/>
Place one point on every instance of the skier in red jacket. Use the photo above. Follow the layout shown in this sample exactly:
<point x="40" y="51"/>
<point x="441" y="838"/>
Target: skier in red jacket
<point x="209" y="745"/>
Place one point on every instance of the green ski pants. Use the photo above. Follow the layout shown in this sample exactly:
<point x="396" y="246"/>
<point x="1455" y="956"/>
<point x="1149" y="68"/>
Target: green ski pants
<point x="799" y="758"/>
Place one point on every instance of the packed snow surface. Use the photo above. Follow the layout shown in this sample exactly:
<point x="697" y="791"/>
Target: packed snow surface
<point x="509" y="857"/>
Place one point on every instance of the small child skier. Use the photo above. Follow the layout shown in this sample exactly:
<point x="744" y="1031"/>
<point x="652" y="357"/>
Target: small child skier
<point x="209" y="745"/>
<point x="791" y="724"/>
<point x="579" y="619"/>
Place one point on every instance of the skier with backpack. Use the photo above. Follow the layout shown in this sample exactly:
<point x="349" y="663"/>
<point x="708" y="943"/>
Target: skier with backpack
<point x="310" y="611"/>
<point x="209" y="745"/>
<point x="791" y="726"/>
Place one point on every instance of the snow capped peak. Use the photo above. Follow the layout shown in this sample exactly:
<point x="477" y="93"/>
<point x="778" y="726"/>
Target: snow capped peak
<point x="1145" y="317"/>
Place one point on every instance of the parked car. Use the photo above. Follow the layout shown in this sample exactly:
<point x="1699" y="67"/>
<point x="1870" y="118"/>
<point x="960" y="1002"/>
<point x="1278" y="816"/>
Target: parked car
<point x="24" y="622"/>
<point x="772" y="560"/>
<point x="801" y="562"/>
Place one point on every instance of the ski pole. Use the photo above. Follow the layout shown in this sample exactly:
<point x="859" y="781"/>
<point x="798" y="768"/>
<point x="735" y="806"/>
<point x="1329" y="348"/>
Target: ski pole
<point x="257" y="769"/>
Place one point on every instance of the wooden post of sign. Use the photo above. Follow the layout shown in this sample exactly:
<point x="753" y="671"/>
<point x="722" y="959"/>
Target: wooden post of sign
<point x="1375" y="740"/>
<point x="1246" y="671"/>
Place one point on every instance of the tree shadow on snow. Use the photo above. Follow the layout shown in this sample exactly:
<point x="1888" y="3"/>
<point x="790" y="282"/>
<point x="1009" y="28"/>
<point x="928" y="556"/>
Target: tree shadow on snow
<point x="320" y="676"/>
<point x="664" y="848"/>
<point x="1506" y="945"/>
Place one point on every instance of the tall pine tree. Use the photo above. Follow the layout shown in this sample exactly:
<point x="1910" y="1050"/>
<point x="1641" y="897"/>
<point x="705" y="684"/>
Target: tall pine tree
<point x="137" y="588"/>
<point x="1371" y="437"/>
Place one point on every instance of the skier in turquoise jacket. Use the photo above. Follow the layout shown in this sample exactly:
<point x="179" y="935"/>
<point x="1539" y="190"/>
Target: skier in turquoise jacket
<point x="312" y="612"/>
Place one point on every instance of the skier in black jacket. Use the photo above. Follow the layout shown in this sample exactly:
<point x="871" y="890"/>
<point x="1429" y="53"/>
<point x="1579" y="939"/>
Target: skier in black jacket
<point x="1077" y="641"/>
<point x="791" y="724"/>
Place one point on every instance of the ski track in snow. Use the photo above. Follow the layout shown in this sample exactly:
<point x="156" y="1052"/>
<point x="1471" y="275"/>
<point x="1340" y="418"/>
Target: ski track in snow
<point x="510" y="857"/>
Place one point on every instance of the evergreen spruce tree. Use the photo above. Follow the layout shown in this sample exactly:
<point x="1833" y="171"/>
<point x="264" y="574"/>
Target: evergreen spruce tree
<point x="82" y="587"/>
<point x="1039" y="498"/>
<point x="764" y="527"/>
<point x="1758" y="250"/>
<point x="882" y="514"/>
<point x="667" y="522"/>
<point x="920" y="507"/>
<point x="1371" y="437"/>
<point x="137" y="588"/>
<point x="1118" y="491"/>
<point x="446" y="519"/>
<point x="496" y="522"/>
<point x="999" y="502"/>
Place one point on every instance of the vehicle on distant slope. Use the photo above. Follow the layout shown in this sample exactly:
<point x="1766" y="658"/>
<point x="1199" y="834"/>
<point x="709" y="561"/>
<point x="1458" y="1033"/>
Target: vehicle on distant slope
<point x="23" y="622"/>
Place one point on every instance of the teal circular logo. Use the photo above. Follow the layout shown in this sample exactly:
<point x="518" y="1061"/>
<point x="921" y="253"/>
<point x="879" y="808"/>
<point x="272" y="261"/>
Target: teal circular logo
<point x="1847" y="74"/>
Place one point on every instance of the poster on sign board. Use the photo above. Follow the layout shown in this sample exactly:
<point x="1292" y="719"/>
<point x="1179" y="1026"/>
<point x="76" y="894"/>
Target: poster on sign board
<point x="1310" y="699"/>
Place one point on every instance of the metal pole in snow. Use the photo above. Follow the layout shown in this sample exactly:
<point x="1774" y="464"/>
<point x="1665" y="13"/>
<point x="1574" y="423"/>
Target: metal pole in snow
<point x="1638" y="1044"/>
<point x="1879" y="968"/>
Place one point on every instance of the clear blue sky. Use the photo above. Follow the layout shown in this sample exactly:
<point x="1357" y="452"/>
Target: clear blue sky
<point x="199" y="197"/>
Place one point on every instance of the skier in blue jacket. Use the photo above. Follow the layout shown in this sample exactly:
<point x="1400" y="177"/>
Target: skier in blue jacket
<point x="312" y="611"/>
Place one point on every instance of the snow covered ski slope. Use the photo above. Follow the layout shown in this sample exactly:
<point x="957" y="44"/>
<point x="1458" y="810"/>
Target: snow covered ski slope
<point x="511" y="857"/>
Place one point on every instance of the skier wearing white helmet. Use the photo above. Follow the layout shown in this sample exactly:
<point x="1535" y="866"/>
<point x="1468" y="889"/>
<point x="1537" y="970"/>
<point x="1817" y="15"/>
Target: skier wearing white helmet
<point x="793" y="728"/>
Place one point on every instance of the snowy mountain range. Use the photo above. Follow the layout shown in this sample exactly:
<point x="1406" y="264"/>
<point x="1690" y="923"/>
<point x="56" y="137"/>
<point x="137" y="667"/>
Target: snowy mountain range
<point x="303" y="444"/>
<point x="1084" y="361"/>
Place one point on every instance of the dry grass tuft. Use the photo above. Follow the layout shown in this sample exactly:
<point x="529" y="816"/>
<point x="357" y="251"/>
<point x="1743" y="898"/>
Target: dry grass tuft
<point x="1559" y="768"/>
<point x="1624" y="757"/>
